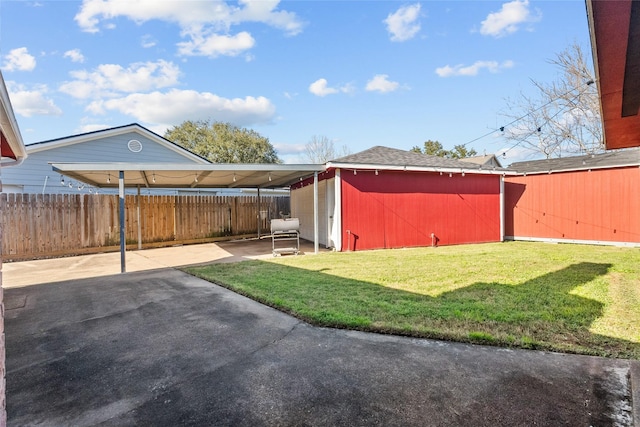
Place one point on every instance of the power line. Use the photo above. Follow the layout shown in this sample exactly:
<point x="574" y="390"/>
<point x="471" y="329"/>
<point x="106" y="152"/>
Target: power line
<point x="501" y="128"/>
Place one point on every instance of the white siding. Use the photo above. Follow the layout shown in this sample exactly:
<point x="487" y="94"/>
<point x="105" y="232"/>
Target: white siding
<point x="302" y="208"/>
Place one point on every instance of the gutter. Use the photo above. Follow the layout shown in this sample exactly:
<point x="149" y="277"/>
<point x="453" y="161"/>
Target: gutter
<point x="10" y="129"/>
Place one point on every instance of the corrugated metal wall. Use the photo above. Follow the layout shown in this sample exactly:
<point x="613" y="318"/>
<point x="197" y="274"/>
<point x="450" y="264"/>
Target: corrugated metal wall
<point x="597" y="206"/>
<point x="398" y="209"/>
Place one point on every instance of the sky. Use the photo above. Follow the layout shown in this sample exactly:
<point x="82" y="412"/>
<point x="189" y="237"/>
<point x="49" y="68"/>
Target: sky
<point x="359" y="73"/>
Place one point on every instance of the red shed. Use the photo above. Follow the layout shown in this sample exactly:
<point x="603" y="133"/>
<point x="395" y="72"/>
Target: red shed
<point x="390" y="198"/>
<point x="583" y="199"/>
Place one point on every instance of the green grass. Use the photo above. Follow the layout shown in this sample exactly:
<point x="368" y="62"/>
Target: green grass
<point x="568" y="298"/>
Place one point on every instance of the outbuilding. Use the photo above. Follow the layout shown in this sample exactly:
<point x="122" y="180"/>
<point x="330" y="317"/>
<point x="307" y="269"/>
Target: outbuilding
<point x="389" y="198"/>
<point x="582" y="199"/>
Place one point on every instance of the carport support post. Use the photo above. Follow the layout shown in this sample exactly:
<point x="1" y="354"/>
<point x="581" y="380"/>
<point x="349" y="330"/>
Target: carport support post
<point x="315" y="212"/>
<point x="138" y="219"/>
<point x="123" y="243"/>
<point x="259" y="216"/>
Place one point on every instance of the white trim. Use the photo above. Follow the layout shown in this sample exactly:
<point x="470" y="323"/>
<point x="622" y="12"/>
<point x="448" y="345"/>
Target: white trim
<point x="579" y="169"/>
<point x="369" y="166"/>
<point x="135" y="128"/>
<point x="126" y="166"/>
<point x="575" y="241"/>
<point x="337" y="212"/>
<point x="9" y="127"/>
<point x="502" y="209"/>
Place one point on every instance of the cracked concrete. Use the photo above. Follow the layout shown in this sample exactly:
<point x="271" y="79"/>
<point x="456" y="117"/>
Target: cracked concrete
<point x="164" y="348"/>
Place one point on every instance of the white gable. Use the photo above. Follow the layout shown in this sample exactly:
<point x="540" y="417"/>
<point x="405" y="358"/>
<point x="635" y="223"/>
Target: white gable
<point x="131" y="143"/>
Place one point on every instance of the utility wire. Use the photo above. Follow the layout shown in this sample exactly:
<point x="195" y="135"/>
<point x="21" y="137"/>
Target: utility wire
<point x="501" y="128"/>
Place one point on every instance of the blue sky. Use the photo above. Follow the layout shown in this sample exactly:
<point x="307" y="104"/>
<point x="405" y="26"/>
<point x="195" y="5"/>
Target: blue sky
<point x="361" y="73"/>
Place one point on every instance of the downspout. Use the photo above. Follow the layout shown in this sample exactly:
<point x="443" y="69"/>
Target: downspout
<point x="502" y="208"/>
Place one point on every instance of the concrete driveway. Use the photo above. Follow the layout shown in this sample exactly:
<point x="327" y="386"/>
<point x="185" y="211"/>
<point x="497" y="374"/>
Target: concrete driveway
<point x="160" y="347"/>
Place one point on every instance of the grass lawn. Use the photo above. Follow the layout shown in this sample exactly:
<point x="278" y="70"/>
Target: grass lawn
<point x="568" y="298"/>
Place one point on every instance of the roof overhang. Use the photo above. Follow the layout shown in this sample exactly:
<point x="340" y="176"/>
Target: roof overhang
<point x="12" y="146"/>
<point x="614" y="27"/>
<point x="173" y="175"/>
<point x="472" y="168"/>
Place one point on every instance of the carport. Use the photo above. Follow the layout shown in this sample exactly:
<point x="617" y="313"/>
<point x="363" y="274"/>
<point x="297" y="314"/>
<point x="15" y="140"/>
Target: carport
<point x="193" y="176"/>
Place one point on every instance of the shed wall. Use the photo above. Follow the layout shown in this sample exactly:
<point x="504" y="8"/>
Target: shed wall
<point x="399" y="209"/>
<point x="597" y="206"/>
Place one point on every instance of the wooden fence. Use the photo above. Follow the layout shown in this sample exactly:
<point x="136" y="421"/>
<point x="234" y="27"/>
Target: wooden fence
<point x="49" y="225"/>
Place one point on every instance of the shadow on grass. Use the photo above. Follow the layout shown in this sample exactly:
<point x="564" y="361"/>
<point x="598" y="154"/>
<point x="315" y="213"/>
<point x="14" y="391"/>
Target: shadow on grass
<point x="541" y="313"/>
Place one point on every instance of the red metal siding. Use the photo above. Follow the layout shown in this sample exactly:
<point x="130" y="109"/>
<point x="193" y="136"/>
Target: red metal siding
<point x="401" y="209"/>
<point x="600" y="205"/>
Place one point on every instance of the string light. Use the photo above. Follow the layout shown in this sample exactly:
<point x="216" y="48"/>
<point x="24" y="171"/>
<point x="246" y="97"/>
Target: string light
<point x="195" y="177"/>
<point x="539" y="129"/>
<point x="355" y="172"/>
<point x="153" y="179"/>
<point x="61" y="180"/>
<point x="109" y="178"/>
<point x="234" y="177"/>
<point x="376" y="171"/>
<point x="269" y="176"/>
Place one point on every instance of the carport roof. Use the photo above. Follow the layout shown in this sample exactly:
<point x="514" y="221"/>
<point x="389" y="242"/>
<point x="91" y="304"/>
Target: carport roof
<point x="188" y="175"/>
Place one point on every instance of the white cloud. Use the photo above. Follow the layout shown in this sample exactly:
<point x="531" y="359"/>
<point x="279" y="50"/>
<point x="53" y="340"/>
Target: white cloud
<point x="19" y="60"/>
<point x="474" y="69"/>
<point x="204" y="23"/>
<point x="188" y="105"/>
<point x="91" y="127"/>
<point x="321" y="88"/>
<point x="32" y="102"/>
<point x="215" y="45"/>
<point x="381" y="83"/>
<point x="402" y="24"/>
<point x="508" y="19"/>
<point x="75" y="55"/>
<point x="113" y="79"/>
<point x="147" y="41"/>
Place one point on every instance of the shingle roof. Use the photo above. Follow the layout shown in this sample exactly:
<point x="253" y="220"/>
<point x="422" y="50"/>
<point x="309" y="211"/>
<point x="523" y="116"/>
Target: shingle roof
<point x="385" y="156"/>
<point x="482" y="160"/>
<point x="610" y="159"/>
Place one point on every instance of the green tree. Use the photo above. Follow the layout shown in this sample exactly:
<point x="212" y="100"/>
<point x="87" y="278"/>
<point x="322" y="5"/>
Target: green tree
<point x="460" y="152"/>
<point x="222" y="142"/>
<point x="435" y="148"/>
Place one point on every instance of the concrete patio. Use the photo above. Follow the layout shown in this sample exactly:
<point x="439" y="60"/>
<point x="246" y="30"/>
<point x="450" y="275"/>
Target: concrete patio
<point x="87" y="346"/>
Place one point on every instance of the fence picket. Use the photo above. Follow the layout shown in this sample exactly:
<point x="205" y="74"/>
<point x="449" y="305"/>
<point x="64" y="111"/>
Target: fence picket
<point x="45" y="225"/>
